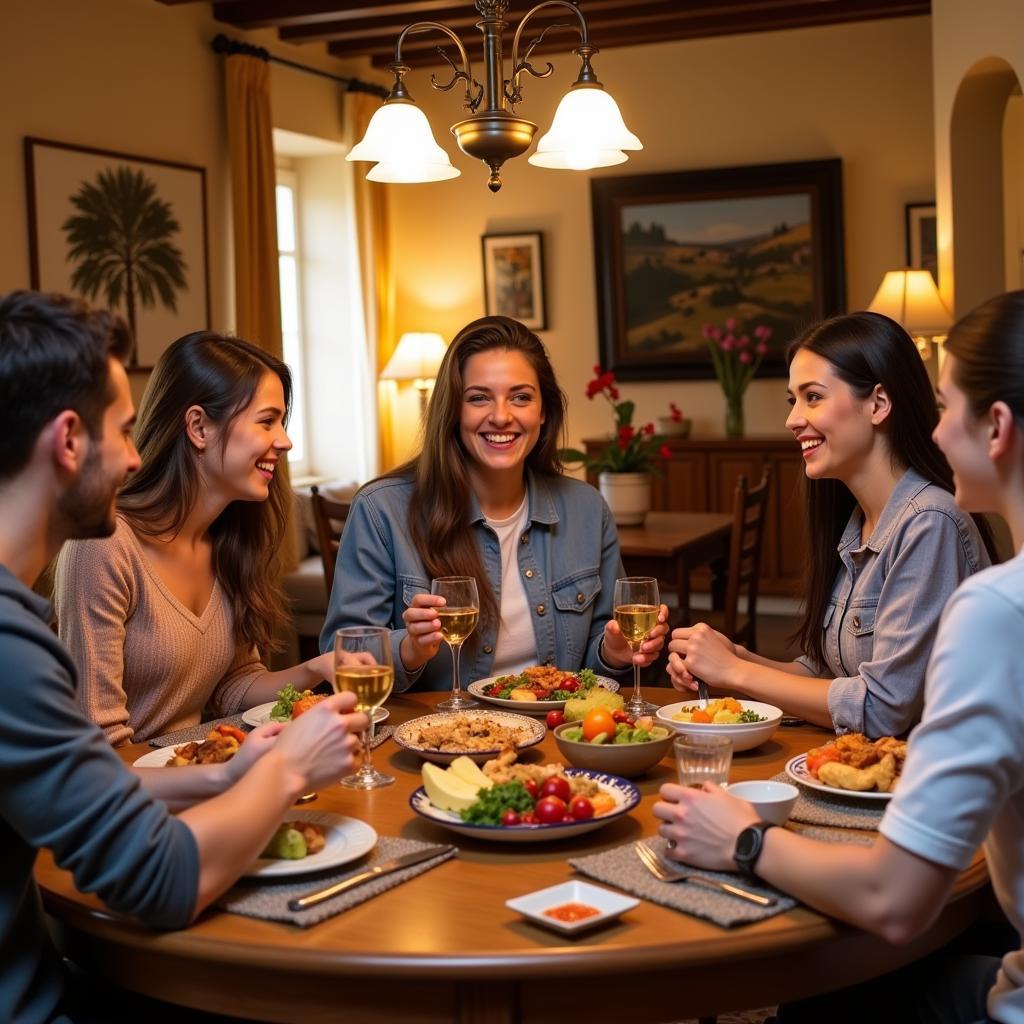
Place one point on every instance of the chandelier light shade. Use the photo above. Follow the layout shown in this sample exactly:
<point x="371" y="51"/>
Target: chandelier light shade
<point x="911" y="299"/>
<point x="587" y="131"/>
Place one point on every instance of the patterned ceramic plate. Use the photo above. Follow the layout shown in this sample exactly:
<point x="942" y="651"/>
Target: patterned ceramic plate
<point x="531" y="707"/>
<point x="529" y="731"/>
<point x="796" y="769"/>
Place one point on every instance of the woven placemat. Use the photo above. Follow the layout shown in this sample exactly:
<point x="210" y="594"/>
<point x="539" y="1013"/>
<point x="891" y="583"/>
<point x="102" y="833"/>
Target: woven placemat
<point x="835" y="835"/>
<point x="198" y="733"/>
<point x="816" y="808"/>
<point x="622" y="868"/>
<point x="269" y="900"/>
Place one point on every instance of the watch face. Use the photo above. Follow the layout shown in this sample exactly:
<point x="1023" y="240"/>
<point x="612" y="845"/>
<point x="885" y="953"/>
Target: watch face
<point x="748" y="842"/>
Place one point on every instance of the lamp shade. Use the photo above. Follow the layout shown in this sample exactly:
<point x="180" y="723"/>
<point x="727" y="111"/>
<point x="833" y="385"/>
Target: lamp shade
<point x="911" y="299"/>
<point x="417" y="357"/>
<point x="587" y="131"/>
<point x="398" y="138"/>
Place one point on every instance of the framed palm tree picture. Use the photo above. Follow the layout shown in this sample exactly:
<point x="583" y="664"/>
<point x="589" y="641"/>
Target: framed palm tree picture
<point x="121" y="231"/>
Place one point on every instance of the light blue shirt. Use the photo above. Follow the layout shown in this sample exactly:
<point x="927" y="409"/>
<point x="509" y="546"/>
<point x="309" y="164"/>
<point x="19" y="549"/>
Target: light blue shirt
<point x="568" y="558"/>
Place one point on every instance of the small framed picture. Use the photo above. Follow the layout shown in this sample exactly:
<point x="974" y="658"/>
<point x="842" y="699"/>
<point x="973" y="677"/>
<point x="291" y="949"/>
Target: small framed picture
<point x="514" y="278"/>
<point x="922" y="241"/>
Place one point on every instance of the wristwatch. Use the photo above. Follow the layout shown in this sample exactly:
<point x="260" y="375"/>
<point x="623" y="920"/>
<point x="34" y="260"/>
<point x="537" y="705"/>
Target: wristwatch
<point x="749" y="844"/>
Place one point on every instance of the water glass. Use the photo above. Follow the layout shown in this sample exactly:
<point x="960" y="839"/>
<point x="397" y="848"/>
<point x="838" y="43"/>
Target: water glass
<point x="702" y="759"/>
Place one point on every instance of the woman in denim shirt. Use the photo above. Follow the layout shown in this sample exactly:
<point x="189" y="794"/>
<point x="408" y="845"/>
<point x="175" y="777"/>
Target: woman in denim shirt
<point x="485" y="498"/>
<point x="888" y="543"/>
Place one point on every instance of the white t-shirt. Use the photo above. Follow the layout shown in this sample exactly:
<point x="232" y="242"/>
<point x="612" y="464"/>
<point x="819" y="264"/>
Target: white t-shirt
<point x="963" y="782"/>
<point x="516" y="646"/>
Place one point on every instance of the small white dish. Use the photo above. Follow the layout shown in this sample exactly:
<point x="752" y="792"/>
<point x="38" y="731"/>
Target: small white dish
<point x="744" y="735"/>
<point x="773" y="801"/>
<point x="260" y="714"/>
<point x="609" y="905"/>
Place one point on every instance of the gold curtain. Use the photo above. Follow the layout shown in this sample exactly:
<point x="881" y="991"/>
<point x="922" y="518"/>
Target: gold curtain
<point x="377" y="273"/>
<point x="254" y="214"/>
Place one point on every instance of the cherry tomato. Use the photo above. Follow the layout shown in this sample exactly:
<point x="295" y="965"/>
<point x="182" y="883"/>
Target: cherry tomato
<point x="510" y="817"/>
<point x="621" y="716"/>
<point x="558" y="786"/>
<point x="571" y="685"/>
<point x="598" y="720"/>
<point x="581" y="808"/>
<point x="529" y="818"/>
<point x="555" y="719"/>
<point x="550" y="810"/>
<point x="567" y="817"/>
<point x="532" y="788"/>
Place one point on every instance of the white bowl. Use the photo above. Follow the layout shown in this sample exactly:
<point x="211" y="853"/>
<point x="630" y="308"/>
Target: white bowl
<point x="744" y="735"/>
<point x="773" y="801"/>
<point x="608" y="905"/>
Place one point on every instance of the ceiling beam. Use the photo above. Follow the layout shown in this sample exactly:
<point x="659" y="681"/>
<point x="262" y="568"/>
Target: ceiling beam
<point x="281" y="13"/>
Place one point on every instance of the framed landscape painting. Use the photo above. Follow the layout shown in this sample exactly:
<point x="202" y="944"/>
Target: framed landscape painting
<point x="514" y="278"/>
<point x="124" y="232"/>
<point x="762" y="245"/>
<point x="922" y="238"/>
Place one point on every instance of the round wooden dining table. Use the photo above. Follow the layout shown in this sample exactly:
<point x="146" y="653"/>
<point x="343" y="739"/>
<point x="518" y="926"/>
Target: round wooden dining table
<point x="444" y="947"/>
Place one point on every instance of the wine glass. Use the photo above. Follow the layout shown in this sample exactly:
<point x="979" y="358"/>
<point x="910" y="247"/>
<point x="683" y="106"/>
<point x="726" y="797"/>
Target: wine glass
<point x="370" y="676"/>
<point x="458" y="619"/>
<point x="636" y="604"/>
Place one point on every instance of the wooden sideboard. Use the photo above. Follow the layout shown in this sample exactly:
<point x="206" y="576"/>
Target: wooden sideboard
<point x="701" y="477"/>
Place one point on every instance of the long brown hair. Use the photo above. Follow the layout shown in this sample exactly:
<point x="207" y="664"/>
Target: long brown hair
<point x="219" y="374"/>
<point x="865" y="350"/>
<point x="440" y="504"/>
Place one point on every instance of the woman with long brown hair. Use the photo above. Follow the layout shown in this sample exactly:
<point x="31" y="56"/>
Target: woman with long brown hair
<point x="888" y="544"/>
<point x="486" y="498"/>
<point x="170" y="613"/>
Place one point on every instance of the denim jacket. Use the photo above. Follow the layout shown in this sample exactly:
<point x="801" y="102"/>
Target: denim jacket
<point x="568" y="556"/>
<point x="884" y="612"/>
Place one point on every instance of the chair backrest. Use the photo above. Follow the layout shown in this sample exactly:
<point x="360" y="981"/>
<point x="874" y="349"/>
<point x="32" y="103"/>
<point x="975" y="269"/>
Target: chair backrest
<point x="749" y="511"/>
<point x="329" y="517"/>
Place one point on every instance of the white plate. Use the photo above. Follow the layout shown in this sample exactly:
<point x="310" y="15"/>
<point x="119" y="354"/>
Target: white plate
<point x="744" y="735"/>
<point x="796" y="769"/>
<point x="625" y="794"/>
<point x="532" y="707"/>
<point x="532" y="731"/>
<point x="609" y="904"/>
<point x="260" y="714"/>
<point x="346" y="839"/>
<point x="155" y="758"/>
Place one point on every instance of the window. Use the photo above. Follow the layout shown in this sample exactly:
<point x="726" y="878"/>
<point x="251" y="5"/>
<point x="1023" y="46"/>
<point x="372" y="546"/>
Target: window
<point x="290" y="269"/>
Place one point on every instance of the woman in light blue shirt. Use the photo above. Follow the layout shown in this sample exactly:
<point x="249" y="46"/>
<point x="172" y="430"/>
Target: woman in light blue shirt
<point x="486" y="498"/>
<point x="888" y="545"/>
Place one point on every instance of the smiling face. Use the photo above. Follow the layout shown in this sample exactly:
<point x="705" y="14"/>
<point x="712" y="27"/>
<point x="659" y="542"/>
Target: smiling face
<point x="964" y="439"/>
<point x="502" y="412"/>
<point x="835" y="428"/>
<point x="254" y="445"/>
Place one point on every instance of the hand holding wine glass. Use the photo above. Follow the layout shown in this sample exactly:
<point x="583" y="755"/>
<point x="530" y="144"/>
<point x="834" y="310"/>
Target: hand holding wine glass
<point x="458" y="615"/>
<point x="636" y="605"/>
<point x="363" y="666"/>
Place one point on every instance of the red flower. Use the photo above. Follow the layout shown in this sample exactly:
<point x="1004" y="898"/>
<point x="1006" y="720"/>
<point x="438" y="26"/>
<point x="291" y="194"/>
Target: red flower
<point x="593" y="388"/>
<point x="626" y="434"/>
<point x="762" y="349"/>
<point x="746" y="358"/>
<point x="614" y="393"/>
<point x="648" y="429"/>
<point x="676" y="412"/>
<point x="665" y="452"/>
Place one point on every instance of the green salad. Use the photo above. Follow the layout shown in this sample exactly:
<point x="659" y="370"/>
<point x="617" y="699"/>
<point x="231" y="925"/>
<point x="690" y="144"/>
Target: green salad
<point x="542" y="682"/>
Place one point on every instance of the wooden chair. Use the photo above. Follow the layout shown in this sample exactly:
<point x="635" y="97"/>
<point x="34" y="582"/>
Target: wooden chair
<point x="750" y="509"/>
<point x="329" y="517"/>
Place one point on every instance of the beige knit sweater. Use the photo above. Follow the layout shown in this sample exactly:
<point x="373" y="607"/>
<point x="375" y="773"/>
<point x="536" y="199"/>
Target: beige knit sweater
<point x="147" y="665"/>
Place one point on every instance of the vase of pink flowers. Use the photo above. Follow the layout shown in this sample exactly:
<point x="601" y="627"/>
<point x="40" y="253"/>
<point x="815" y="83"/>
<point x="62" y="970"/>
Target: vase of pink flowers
<point x="736" y="357"/>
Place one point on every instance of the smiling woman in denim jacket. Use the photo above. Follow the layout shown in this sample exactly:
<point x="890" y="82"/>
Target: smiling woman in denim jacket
<point x="888" y="543"/>
<point x="485" y="498"/>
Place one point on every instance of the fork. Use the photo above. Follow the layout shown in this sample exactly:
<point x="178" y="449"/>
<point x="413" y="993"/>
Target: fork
<point x="702" y="693"/>
<point x="654" y="864"/>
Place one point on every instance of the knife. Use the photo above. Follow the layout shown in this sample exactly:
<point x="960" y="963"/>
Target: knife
<point x="395" y="864"/>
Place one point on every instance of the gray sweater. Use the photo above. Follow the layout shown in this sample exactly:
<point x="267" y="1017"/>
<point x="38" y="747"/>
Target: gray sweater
<point x="62" y="787"/>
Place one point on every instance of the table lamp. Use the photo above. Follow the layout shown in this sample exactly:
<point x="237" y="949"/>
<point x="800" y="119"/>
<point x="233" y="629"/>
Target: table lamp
<point x="911" y="299"/>
<point x="416" y="358"/>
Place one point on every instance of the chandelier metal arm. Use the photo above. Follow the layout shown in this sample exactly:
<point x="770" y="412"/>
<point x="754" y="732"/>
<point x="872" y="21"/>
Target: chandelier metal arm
<point x="399" y="68"/>
<point x="585" y="50"/>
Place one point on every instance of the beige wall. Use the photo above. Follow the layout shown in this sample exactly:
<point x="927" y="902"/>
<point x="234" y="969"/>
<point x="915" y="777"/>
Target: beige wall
<point x="138" y="77"/>
<point x="861" y="92"/>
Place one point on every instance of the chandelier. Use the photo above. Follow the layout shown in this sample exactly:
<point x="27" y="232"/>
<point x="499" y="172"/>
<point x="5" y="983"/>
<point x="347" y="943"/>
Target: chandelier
<point x="587" y="130"/>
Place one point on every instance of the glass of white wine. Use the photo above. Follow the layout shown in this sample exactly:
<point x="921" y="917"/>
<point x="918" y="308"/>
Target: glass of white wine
<point x="363" y="666"/>
<point x="458" y="619"/>
<point x="636" y="604"/>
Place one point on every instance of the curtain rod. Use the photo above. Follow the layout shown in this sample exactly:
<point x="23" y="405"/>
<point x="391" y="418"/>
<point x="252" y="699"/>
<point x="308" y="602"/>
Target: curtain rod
<point x="221" y="44"/>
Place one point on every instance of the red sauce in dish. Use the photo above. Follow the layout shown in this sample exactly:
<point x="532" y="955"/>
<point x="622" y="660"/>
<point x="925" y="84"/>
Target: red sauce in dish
<point x="570" y="912"/>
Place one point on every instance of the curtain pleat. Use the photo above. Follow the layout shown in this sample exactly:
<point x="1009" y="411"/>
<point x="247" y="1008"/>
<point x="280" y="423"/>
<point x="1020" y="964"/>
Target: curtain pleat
<point x="378" y="278"/>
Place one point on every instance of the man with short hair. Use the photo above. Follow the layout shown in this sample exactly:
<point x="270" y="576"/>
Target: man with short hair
<point x="66" y="417"/>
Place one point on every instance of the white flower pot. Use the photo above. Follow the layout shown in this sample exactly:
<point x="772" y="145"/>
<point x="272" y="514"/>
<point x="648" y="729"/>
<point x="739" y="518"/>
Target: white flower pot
<point x="628" y="496"/>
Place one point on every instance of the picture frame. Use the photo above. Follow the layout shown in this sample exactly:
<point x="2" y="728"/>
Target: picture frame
<point x="921" y="228"/>
<point x="514" y="277"/>
<point x="676" y="251"/>
<point x="79" y="201"/>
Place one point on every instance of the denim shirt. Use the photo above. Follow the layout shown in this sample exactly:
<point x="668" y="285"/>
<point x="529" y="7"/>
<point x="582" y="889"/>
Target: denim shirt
<point x="568" y="556"/>
<point x="888" y="597"/>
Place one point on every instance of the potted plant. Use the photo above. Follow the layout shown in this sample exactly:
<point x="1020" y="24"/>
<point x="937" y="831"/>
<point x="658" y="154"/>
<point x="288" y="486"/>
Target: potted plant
<point x="736" y="360"/>
<point x="624" y="466"/>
